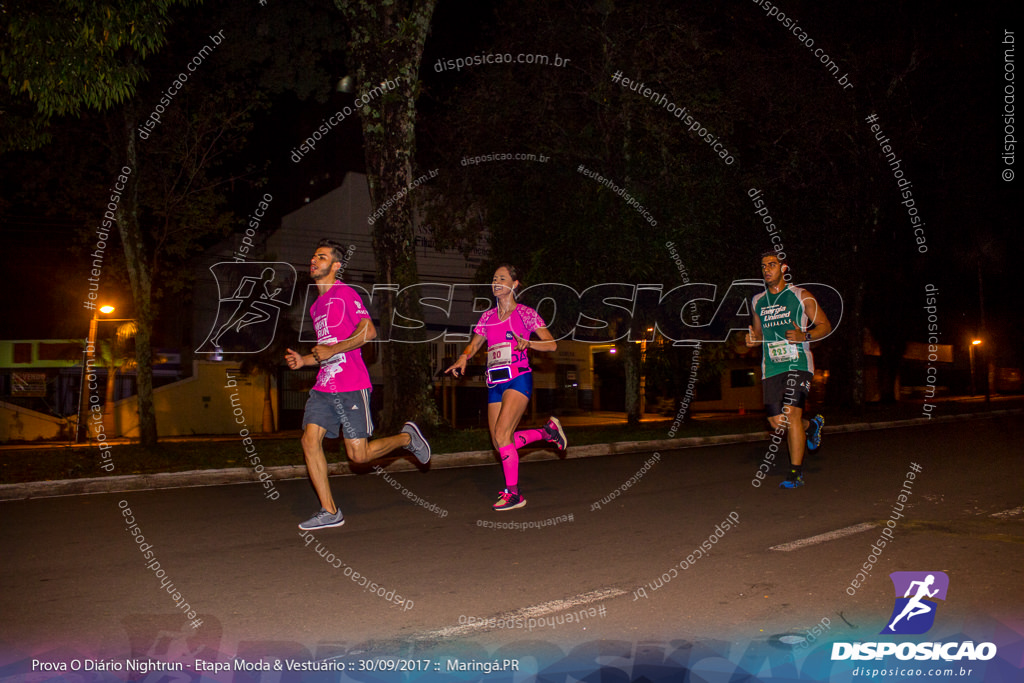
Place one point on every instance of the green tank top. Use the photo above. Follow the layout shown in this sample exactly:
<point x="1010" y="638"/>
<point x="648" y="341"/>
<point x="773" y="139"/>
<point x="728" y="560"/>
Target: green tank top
<point x="777" y="313"/>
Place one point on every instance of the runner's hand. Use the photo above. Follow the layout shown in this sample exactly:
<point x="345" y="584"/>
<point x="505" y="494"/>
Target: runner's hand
<point x="750" y="340"/>
<point x="322" y="352"/>
<point x="458" y="367"/>
<point x="795" y="334"/>
<point x="294" y="359"/>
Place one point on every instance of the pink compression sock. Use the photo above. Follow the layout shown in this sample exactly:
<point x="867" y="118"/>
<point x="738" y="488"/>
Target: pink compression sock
<point x="520" y="439"/>
<point x="510" y="465"/>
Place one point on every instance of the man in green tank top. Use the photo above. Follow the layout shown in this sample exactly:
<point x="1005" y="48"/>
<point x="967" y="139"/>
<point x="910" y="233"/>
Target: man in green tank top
<point x="786" y="319"/>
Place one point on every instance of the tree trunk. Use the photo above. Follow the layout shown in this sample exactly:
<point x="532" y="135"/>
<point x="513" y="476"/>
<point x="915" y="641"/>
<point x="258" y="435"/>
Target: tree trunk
<point x="268" y="407"/>
<point x="846" y="387"/>
<point x="630" y="354"/>
<point x="108" y="404"/>
<point x="138" y="264"/>
<point x="387" y="48"/>
<point x="857" y="389"/>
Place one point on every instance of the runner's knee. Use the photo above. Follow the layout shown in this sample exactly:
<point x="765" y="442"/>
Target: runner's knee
<point x="357" y="451"/>
<point x="309" y="440"/>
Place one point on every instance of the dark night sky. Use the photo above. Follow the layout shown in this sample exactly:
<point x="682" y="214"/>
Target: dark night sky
<point x="948" y="113"/>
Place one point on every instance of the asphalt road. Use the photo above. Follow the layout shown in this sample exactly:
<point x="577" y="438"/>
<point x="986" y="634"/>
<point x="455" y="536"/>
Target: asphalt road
<point x="74" y="578"/>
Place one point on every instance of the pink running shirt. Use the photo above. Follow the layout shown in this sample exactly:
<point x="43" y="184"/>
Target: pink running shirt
<point x="522" y="322"/>
<point x="336" y="314"/>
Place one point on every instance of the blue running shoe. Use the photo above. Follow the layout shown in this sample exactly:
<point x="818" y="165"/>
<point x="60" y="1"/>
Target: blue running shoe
<point x="817" y="423"/>
<point x="793" y="481"/>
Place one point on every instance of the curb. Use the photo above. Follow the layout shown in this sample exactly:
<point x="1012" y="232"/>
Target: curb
<point x="246" y="475"/>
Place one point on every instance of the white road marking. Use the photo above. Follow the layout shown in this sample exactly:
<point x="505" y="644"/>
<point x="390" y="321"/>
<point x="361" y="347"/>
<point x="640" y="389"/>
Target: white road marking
<point x="533" y="612"/>
<point x="822" y="538"/>
<point x="1006" y="514"/>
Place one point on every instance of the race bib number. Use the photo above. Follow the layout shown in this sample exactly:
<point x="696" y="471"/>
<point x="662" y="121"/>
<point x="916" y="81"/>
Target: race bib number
<point x="780" y="351"/>
<point x="499" y="354"/>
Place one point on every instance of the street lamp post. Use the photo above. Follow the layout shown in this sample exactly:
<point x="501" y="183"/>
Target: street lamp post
<point x="87" y="355"/>
<point x="974" y="342"/>
<point x="90" y="354"/>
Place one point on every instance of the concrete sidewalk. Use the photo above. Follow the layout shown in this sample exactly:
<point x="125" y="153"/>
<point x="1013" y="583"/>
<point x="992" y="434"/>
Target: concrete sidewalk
<point x="593" y="419"/>
<point x="245" y="475"/>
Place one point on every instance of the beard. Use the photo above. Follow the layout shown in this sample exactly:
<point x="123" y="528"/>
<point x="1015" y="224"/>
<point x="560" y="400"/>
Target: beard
<point x="321" y="274"/>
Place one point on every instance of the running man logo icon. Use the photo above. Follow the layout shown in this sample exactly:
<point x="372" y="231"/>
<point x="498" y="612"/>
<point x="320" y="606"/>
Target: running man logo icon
<point x="250" y="299"/>
<point x="914" y="612"/>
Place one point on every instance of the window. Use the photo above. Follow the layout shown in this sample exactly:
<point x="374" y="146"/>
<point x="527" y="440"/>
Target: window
<point x="23" y="353"/>
<point x="66" y="351"/>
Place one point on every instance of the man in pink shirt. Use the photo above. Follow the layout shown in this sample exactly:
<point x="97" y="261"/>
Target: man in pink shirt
<point x="339" y="402"/>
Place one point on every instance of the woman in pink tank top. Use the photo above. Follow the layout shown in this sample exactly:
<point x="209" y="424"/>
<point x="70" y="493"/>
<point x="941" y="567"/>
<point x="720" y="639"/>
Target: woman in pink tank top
<point x="506" y="329"/>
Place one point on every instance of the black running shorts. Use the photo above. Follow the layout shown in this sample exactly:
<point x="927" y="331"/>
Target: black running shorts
<point x="787" y="389"/>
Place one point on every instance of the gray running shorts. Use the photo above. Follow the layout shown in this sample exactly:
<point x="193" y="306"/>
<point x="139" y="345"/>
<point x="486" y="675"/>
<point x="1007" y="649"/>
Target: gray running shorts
<point x="349" y="410"/>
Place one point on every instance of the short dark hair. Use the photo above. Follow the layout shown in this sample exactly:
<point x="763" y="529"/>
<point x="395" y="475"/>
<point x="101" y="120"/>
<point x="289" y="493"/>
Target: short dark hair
<point x="772" y="252"/>
<point x="337" y="252"/>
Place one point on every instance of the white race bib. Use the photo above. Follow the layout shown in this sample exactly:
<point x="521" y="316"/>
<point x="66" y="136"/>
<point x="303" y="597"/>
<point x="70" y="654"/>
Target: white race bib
<point x="499" y="354"/>
<point x="780" y="351"/>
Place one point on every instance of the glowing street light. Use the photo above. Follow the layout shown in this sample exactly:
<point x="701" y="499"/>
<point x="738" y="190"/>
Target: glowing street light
<point x="974" y="342"/>
<point x="90" y="354"/>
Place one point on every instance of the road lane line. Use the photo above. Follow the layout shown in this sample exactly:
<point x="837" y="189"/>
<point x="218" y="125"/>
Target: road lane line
<point x="532" y="612"/>
<point x="822" y="538"/>
<point x="1007" y="514"/>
